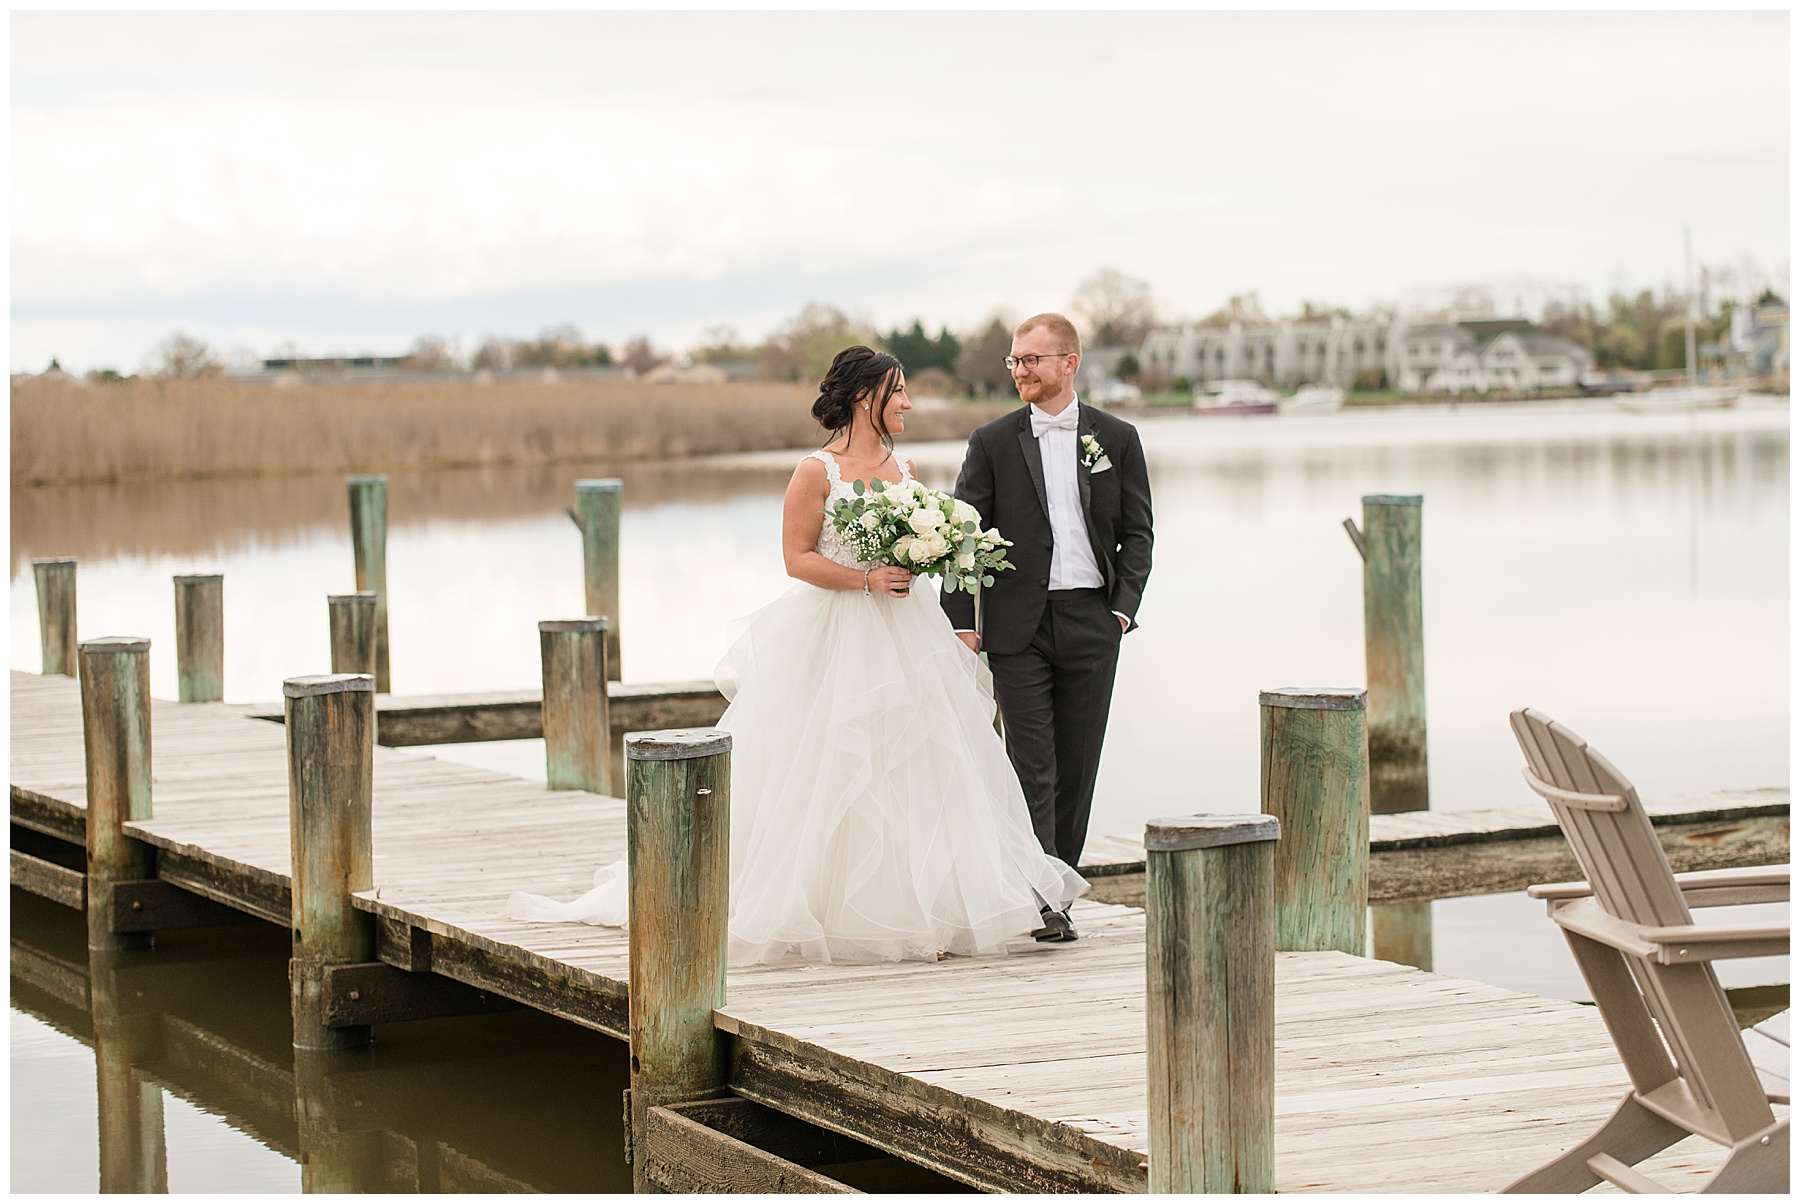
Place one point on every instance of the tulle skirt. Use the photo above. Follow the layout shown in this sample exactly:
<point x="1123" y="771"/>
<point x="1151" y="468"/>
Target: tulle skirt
<point x="874" y="813"/>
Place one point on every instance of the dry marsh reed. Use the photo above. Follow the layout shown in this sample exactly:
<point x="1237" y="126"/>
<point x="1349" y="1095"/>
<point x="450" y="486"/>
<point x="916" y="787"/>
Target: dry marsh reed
<point x="68" y="433"/>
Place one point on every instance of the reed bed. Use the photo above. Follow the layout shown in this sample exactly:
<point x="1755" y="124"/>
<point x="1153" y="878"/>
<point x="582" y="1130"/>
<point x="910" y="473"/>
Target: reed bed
<point x="69" y="433"/>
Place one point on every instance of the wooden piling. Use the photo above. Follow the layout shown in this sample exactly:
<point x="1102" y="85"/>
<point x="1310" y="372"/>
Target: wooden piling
<point x="133" y="1145"/>
<point x="368" y="539"/>
<point x="1210" y="1002"/>
<point x="577" y="728"/>
<point x="115" y="732"/>
<point x="678" y="832"/>
<point x="330" y="795"/>
<point x="352" y="620"/>
<point x="597" y="506"/>
<point x="200" y="638"/>
<point x="55" y="579"/>
<point x="1394" y="645"/>
<point x="1315" y="781"/>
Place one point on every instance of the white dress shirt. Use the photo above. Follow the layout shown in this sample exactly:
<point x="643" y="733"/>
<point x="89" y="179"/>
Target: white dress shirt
<point x="1072" y="563"/>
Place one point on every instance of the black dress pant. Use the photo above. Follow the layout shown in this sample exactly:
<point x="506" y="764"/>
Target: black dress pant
<point x="1054" y="697"/>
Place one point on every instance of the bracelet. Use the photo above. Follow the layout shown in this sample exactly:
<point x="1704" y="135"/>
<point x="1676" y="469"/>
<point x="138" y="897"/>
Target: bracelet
<point x="866" y="580"/>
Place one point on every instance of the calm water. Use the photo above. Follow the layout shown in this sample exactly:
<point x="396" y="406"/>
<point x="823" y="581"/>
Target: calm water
<point x="1625" y="573"/>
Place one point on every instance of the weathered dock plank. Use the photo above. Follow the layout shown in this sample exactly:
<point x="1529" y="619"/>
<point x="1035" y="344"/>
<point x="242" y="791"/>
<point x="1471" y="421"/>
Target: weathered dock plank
<point x="406" y="720"/>
<point x="1017" y="1073"/>
<point x="1448" y="854"/>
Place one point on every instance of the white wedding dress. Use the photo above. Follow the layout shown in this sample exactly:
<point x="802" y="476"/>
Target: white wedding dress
<point x="874" y="813"/>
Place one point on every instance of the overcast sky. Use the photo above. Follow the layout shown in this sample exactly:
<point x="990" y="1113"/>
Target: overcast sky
<point x="351" y="181"/>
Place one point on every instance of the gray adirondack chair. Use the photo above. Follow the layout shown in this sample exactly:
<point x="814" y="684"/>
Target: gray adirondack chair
<point x="1650" y="970"/>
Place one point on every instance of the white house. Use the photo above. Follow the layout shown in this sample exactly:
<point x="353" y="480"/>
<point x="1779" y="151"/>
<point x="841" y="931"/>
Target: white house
<point x="1282" y="354"/>
<point x="1483" y="355"/>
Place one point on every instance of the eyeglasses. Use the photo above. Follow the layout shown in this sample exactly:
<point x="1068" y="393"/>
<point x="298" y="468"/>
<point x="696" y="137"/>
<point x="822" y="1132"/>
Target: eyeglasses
<point x="1031" y="361"/>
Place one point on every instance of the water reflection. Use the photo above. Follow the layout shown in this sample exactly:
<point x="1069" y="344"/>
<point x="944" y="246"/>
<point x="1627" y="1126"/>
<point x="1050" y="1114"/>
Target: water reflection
<point x="503" y="1103"/>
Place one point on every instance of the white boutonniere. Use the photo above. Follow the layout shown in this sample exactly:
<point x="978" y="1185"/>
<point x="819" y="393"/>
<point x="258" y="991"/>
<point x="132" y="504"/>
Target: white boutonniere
<point x="1093" y="456"/>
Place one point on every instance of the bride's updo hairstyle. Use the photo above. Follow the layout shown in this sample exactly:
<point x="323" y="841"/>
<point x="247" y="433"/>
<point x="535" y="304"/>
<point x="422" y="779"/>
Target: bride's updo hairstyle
<point x="858" y="374"/>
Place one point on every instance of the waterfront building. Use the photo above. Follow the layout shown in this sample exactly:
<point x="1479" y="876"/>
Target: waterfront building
<point x="1483" y="355"/>
<point x="1464" y="355"/>
<point x="1283" y="355"/>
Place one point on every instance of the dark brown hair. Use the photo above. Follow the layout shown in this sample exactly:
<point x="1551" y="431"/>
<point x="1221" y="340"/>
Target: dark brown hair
<point x="857" y="373"/>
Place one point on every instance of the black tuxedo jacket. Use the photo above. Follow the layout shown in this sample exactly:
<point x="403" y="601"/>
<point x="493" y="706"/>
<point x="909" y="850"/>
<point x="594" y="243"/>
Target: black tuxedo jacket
<point x="1003" y="477"/>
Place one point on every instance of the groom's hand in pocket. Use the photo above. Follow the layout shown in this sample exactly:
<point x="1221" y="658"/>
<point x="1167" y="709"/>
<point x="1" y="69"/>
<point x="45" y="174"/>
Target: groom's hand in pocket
<point x="971" y="639"/>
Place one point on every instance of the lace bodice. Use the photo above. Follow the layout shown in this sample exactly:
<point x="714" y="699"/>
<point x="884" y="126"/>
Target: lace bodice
<point x="829" y="545"/>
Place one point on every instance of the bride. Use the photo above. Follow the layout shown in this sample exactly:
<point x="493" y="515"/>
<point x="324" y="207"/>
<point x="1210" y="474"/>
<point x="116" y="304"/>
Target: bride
<point x="875" y="815"/>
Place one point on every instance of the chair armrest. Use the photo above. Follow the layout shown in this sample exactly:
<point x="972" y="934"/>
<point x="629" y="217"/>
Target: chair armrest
<point x="1557" y="892"/>
<point x="1683" y="944"/>
<point x="1733" y="888"/>
<point x="1673" y="945"/>
<point x="1700" y="888"/>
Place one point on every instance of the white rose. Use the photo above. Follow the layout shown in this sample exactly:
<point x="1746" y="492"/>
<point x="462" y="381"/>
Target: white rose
<point x="903" y="548"/>
<point x="965" y="560"/>
<point x="936" y="546"/>
<point x="925" y="520"/>
<point x="898" y="493"/>
<point x="870" y="520"/>
<point x="962" y="512"/>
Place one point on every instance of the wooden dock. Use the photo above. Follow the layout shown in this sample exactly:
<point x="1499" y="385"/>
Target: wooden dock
<point x="1024" y="1073"/>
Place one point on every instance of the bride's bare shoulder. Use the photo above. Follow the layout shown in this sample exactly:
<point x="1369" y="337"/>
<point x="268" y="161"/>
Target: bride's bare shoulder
<point x="811" y="475"/>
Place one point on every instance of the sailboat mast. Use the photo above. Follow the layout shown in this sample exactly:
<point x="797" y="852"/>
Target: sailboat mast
<point x="1687" y="241"/>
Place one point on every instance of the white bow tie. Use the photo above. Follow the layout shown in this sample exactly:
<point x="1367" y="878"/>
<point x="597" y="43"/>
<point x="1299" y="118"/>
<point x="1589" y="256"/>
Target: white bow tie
<point x="1068" y="420"/>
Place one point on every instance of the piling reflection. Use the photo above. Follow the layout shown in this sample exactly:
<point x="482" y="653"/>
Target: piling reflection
<point x="133" y="1156"/>
<point x="501" y="1103"/>
<point x="1401" y="932"/>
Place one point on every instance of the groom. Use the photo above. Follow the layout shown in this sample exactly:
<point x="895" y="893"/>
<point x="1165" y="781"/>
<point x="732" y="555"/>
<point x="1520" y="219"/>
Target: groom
<point x="1067" y="484"/>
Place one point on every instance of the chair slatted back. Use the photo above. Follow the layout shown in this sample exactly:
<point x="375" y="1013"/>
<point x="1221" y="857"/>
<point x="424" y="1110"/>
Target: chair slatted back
<point x="1617" y="847"/>
<point x="1694" y="1035"/>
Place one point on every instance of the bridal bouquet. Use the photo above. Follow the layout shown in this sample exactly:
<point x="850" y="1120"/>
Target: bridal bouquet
<point x="920" y="530"/>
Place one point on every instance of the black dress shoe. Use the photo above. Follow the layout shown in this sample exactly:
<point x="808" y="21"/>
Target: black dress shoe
<point x="1057" y="927"/>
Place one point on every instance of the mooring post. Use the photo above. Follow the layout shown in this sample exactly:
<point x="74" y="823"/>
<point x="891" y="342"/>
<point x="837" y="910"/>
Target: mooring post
<point x="55" y="579"/>
<point x="133" y="1146"/>
<point x="1394" y="647"/>
<point x="352" y="620"/>
<point x="331" y="766"/>
<point x="597" y="505"/>
<point x="368" y="539"/>
<point x="115" y="734"/>
<point x="577" y="724"/>
<point x="678" y="831"/>
<point x="200" y="638"/>
<point x="1315" y="780"/>
<point x="1210" y="1002"/>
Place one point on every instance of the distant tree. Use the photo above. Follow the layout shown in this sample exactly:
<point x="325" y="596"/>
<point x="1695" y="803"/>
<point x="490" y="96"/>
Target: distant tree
<point x="182" y="355"/>
<point x="561" y="347"/>
<point x="918" y="351"/>
<point x="430" y="354"/>
<point x="1311" y="312"/>
<point x="1129" y="368"/>
<point x="981" y="367"/>
<point x="720" y="345"/>
<point x="1574" y="320"/>
<point x="640" y="355"/>
<point x="104" y="376"/>
<point x="1770" y="297"/>
<point x="1116" y="309"/>
<point x="1182" y="384"/>
<point x="803" y="347"/>
<point x="494" y="355"/>
<point x="1241" y="307"/>
<point x="1671" y="346"/>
